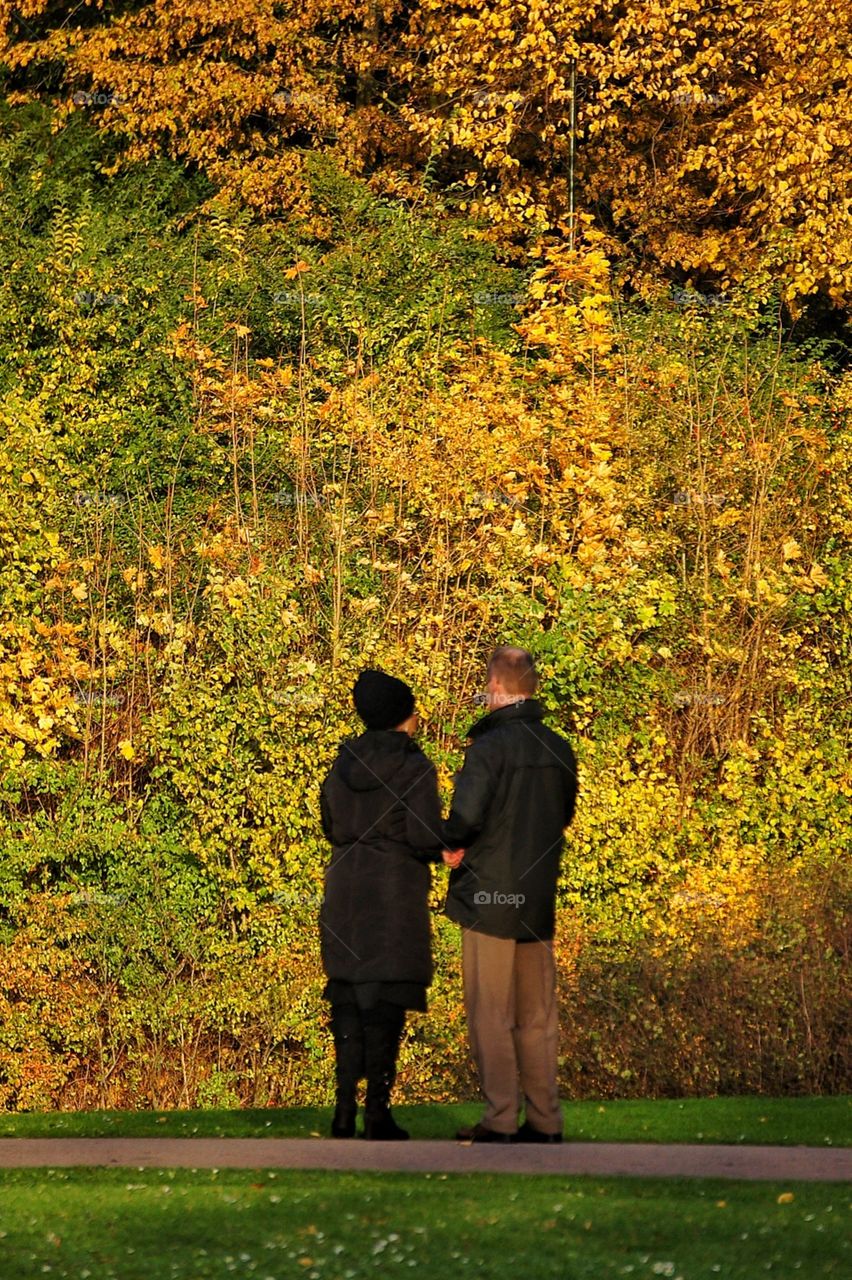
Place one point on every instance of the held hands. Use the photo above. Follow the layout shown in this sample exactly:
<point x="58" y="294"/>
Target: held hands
<point x="452" y="857"/>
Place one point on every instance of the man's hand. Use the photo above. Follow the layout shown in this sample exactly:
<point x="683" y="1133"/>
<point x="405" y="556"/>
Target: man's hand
<point x="452" y="857"/>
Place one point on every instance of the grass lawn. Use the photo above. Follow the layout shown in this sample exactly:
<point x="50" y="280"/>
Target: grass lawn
<point x="786" y="1121"/>
<point x="156" y="1224"/>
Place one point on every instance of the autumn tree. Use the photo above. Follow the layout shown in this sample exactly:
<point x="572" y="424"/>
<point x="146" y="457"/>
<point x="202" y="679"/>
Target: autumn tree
<point x="712" y="140"/>
<point x="240" y="92"/>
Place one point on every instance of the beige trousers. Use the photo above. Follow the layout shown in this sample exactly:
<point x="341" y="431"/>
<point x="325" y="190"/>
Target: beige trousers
<point x="513" y="1025"/>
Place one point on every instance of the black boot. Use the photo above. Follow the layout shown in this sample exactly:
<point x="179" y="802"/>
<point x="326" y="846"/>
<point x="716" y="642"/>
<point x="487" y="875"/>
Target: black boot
<point x="343" y="1120"/>
<point x="382" y="1033"/>
<point x="349" y="1067"/>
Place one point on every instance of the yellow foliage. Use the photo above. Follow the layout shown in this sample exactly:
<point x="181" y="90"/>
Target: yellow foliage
<point x="717" y="139"/>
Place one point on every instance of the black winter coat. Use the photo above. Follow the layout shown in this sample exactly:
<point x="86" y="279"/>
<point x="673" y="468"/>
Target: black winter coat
<point x="514" y="796"/>
<point x="381" y="811"/>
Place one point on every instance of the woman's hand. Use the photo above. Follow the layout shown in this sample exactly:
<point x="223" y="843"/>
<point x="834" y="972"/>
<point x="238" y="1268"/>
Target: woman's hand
<point x="452" y="857"/>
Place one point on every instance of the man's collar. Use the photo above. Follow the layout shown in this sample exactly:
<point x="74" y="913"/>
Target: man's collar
<point x="525" y="709"/>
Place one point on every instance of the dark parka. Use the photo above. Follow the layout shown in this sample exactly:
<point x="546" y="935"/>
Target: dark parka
<point x="513" y="798"/>
<point x="381" y="812"/>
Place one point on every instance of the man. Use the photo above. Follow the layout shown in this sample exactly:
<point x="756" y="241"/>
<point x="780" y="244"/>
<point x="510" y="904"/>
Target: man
<point x="513" y="798"/>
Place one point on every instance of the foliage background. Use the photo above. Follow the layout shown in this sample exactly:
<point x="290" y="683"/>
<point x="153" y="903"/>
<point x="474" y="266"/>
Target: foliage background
<point x="285" y="395"/>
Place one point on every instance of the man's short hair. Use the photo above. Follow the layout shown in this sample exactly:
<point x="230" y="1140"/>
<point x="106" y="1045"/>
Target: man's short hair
<point x="514" y="668"/>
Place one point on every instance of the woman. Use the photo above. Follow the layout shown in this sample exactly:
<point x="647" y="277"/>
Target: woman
<point x="381" y="812"/>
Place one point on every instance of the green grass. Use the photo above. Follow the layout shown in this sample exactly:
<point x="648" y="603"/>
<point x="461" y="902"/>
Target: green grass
<point x="155" y="1224"/>
<point x="783" y="1121"/>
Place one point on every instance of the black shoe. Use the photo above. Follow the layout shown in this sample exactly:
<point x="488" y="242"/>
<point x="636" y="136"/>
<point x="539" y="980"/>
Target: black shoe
<point x="527" y="1133"/>
<point x="382" y="1127"/>
<point x="343" y="1122"/>
<point x="479" y="1133"/>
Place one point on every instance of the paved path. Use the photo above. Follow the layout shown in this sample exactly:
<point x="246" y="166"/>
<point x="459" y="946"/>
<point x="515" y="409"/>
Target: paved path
<point x="634" y="1159"/>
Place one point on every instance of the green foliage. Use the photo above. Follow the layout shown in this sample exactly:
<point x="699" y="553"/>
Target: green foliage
<point x="240" y="460"/>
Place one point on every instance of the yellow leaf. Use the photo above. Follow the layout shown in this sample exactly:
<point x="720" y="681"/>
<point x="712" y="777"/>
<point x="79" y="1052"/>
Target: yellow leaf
<point x="126" y="748"/>
<point x="727" y="518"/>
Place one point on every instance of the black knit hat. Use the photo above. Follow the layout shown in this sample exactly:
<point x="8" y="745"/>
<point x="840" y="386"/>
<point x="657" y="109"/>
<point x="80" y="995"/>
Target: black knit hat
<point x="382" y="701"/>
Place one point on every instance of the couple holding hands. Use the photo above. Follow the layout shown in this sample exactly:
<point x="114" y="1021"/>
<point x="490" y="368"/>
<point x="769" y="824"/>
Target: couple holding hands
<point x="513" y="798"/>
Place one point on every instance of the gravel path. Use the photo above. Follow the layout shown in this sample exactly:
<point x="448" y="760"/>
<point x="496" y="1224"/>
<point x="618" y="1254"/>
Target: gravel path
<point x="634" y="1159"/>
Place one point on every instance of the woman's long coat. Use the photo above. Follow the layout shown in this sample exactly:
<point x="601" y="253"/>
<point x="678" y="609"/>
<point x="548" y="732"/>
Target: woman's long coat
<point x="381" y="812"/>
